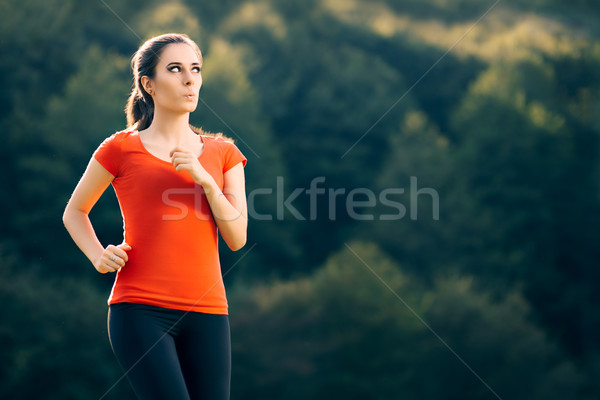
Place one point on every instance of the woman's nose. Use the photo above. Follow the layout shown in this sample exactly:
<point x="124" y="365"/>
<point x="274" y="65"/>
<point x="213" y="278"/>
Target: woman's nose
<point x="188" y="79"/>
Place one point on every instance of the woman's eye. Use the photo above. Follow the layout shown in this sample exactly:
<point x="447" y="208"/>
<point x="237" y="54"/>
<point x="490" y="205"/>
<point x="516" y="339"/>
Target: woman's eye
<point x="197" y="69"/>
<point x="175" y="68"/>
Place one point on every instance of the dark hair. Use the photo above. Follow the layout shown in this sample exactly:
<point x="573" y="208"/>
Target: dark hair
<point x="140" y="106"/>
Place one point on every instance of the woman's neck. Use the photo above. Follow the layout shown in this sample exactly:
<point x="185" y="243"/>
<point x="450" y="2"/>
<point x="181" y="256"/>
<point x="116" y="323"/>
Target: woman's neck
<point x="172" y="128"/>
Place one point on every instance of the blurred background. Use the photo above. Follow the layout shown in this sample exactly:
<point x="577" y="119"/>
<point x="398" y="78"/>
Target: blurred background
<point x="494" y="106"/>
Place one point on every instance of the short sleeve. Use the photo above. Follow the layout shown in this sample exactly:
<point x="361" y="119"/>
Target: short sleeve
<point x="108" y="154"/>
<point x="232" y="156"/>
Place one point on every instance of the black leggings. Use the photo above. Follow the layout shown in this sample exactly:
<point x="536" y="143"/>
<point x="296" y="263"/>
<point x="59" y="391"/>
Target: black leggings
<point x="171" y="354"/>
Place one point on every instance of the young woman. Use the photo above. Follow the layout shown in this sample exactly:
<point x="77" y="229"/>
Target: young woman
<point x="177" y="188"/>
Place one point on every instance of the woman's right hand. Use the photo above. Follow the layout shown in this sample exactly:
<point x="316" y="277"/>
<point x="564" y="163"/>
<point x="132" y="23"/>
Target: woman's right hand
<point x="113" y="258"/>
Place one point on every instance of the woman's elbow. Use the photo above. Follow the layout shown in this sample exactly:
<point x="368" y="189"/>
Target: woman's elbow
<point x="66" y="217"/>
<point x="237" y="243"/>
<point x="70" y="215"/>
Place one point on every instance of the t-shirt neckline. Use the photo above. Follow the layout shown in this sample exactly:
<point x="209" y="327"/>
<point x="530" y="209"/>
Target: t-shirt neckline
<point x="145" y="150"/>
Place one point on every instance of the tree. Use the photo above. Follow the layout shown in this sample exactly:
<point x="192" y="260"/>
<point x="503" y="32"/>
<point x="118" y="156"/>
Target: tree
<point x="513" y="141"/>
<point x="360" y="328"/>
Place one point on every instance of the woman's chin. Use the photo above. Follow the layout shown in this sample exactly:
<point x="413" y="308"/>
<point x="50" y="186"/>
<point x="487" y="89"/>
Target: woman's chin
<point x="188" y="108"/>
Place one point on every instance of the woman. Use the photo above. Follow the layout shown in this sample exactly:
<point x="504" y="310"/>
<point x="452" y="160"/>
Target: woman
<point x="168" y="323"/>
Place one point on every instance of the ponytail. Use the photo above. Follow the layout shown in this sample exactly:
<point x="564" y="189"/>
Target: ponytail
<point x="139" y="110"/>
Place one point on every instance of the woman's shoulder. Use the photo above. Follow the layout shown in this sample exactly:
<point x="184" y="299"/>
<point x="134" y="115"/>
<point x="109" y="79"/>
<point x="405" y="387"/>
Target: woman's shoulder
<point x="227" y="150"/>
<point x="222" y="143"/>
<point x="218" y="138"/>
<point x="110" y="151"/>
<point x="117" y="139"/>
<point x="123" y="135"/>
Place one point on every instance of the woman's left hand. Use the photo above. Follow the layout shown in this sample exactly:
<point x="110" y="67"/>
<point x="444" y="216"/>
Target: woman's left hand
<point x="185" y="161"/>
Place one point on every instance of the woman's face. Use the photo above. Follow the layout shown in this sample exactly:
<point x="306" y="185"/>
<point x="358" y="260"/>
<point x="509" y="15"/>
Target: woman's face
<point x="177" y="79"/>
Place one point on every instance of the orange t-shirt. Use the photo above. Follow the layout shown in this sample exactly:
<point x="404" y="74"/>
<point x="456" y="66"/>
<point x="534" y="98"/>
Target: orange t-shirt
<point x="174" y="259"/>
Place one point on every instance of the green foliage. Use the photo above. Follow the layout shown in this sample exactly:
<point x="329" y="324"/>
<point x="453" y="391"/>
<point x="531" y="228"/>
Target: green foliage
<point x="510" y="159"/>
<point x="54" y="337"/>
<point x="418" y="162"/>
<point x="360" y="328"/>
<point x="323" y="82"/>
<point x="167" y="17"/>
<point x="497" y="339"/>
<point x="337" y="324"/>
<point x="76" y="122"/>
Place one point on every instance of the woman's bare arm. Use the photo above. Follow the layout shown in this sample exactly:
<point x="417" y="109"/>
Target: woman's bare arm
<point x="229" y="206"/>
<point x="92" y="184"/>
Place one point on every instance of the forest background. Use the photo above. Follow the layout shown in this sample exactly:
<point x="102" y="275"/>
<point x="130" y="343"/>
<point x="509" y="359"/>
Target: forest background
<point x="423" y="179"/>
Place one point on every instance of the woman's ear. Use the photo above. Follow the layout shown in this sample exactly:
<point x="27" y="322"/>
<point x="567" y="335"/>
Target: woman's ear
<point x="147" y="84"/>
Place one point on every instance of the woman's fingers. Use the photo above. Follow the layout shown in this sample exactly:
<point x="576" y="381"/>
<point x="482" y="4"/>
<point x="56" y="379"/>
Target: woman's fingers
<point x="120" y="252"/>
<point x="113" y="258"/>
<point x="125" y="246"/>
<point x="175" y="150"/>
<point x="107" y="266"/>
<point x="184" y="166"/>
<point x="177" y="157"/>
<point x="178" y="152"/>
<point x="180" y="161"/>
<point x="185" y="161"/>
